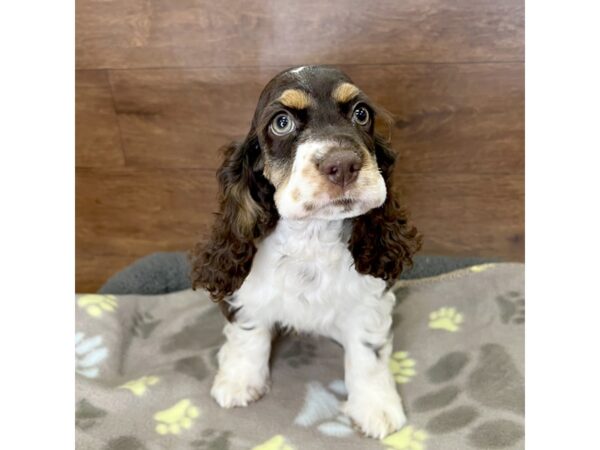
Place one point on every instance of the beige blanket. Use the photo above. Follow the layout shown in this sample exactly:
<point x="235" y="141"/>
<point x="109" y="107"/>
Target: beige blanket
<point x="145" y="365"/>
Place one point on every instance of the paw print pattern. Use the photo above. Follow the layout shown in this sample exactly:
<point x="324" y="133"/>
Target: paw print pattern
<point x="89" y="353"/>
<point x="512" y="307"/>
<point x="177" y="417"/>
<point x="143" y="324"/>
<point x="300" y="353"/>
<point x="445" y="319"/>
<point x="87" y="415"/>
<point x="193" y="366"/>
<point x="140" y="386"/>
<point x="277" y="442"/>
<point x="322" y="406"/>
<point x="408" y="438"/>
<point x="494" y="367"/>
<point x="340" y="426"/>
<point x="95" y="305"/>
<point x="213" y="440"/>
<point x="402" y="367"/>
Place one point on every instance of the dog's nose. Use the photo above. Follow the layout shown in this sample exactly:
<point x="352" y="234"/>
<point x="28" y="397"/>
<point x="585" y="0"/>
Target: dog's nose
<point x="341" y="167"/>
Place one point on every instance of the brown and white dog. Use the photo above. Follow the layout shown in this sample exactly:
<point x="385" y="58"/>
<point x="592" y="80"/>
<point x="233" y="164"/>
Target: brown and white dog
<point x="309" y="237"/>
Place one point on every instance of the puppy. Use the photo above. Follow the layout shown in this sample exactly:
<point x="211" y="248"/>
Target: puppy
<point x="309" y="237"/>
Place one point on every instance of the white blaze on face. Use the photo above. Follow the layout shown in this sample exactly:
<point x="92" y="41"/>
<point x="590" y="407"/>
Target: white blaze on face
<point x="297" y="70"/>
<point x="307" y="193"/>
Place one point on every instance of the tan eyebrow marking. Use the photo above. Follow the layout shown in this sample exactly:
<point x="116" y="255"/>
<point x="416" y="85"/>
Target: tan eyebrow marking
<point x="295" y="98"/>
<point x="345" y="92"/>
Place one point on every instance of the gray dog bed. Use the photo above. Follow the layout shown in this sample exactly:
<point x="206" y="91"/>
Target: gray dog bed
<point x="165" y="272"/>
<point x="145" y="365"/>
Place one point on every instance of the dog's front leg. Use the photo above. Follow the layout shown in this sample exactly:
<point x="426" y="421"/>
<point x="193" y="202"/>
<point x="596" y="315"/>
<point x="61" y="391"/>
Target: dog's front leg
<point x="243" y="375"/>
<point x="373" y="402"/>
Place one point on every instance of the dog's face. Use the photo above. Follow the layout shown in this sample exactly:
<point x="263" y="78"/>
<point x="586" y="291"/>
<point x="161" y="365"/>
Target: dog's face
<point x="316" y="133"/>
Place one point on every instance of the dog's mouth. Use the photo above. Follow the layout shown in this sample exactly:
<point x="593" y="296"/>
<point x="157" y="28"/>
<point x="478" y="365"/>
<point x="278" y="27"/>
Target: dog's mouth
<point x="332" y="208"/>
<point x="343" y="202"/>
<point x="338" y="204"/>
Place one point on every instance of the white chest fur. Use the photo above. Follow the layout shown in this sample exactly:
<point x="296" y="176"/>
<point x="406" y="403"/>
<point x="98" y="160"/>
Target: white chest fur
<point x="303" y="276"/>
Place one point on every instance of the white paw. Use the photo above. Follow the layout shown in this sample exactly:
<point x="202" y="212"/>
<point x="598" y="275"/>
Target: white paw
<point x="376" y="417"/>
<point x="238" y="391"/>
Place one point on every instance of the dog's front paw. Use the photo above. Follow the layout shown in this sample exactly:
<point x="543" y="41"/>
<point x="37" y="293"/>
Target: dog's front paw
<point x="237" y="391"/>
<point x="376" y="416"/>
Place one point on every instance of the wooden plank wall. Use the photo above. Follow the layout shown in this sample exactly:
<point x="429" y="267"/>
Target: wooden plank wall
<point x="162" y="84"/>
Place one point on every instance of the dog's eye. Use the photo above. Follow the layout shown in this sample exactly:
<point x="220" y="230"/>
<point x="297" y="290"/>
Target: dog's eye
<point x="282" y="124"/>
<point x="361" y="115"/>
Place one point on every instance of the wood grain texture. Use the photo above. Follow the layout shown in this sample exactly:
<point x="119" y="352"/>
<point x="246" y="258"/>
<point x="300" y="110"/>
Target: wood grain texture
<point x="205" y="33"/>
<point x="97" y="139"/>
<point x="452" y="118"/>
<point x="466" y="118"/>
<point x="138" y="211"/>
<point x="180" y="118"/>
<point x="467" y="214"/>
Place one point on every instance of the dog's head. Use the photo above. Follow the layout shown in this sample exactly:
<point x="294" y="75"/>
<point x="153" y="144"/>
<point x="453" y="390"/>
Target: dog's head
<point x="315" y="129"/>
<point x="311" y="153"/>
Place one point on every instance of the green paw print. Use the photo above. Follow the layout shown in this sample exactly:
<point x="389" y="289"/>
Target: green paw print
<point x="445" y="319"/>
<point x="402" y="367"/>
<point x="275" y="443"/>
<point x="406" y="439"/>
<point x="95" y="305"/>
<point x="140" y="386"/>
<point x="178" y="416"/>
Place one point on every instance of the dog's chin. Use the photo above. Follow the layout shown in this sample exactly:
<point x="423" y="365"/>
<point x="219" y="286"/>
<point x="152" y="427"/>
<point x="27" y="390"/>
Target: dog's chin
<point x="336" y="209"/>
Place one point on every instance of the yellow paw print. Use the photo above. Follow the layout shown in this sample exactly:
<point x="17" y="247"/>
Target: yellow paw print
<point x="445" y="319"/>
<point x="402" y="367"/>
<point x="275" y="443"/>
<point x="178" y="416"/>
<point x="481" y="267"/>
<point x="140" y="386"/>
<point x="95" y="304"/>
<point x="406" y="439"/>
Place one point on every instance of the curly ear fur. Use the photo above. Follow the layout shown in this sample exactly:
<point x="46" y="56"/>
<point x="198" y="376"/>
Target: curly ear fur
<point x="382" y="241"/>
<point x="247" y="212"/>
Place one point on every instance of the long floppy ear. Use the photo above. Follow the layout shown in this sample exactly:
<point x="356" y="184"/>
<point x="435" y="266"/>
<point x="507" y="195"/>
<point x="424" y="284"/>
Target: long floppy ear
<point x="247" y="211"/>
<point x="383" y="241"/>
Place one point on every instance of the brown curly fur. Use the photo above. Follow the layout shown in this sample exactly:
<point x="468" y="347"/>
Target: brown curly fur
<point x="247" y="212"/>
<point x="382" y="241"/>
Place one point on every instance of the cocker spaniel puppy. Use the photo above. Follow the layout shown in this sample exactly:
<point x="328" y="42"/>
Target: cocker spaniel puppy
<point x="309" y="237"/>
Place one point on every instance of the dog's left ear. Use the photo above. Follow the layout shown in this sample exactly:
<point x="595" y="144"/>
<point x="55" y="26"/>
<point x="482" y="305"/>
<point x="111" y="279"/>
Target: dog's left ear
<point x="383" y="241"/>
<point x="246" y="213"/>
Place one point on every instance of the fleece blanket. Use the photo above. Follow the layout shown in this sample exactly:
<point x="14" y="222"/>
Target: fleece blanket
<point x="145" y="365"/>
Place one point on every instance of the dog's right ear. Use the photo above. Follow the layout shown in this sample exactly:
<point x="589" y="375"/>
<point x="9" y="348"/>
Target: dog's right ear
<point x="246" y="212"/>
<point x="383" y="241"/>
